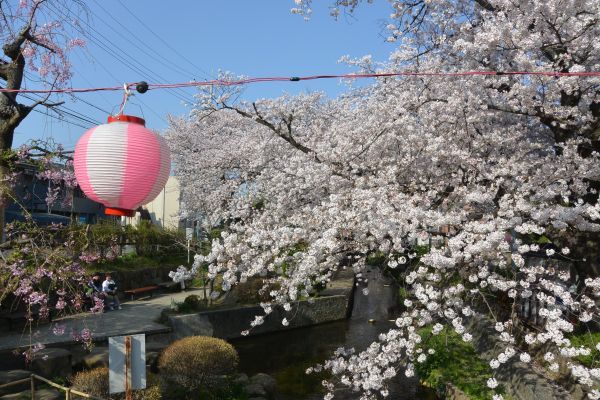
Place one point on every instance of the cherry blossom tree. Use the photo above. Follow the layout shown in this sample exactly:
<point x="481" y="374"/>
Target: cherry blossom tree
<point x="504" y="166"/>
<point x="35" y="37"/>
<point x="39" y="267"/>
<point x="42" y="267"/>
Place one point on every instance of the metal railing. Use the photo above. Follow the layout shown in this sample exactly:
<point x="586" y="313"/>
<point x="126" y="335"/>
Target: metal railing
<point x="68" y="391"/>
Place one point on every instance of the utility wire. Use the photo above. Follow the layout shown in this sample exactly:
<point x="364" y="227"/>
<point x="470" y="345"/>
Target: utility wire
<point x="166" y="62"/>
<point x="181" y="94"/>
<point x="60" y="119"/>
<point x="163" y="41"/>
<point x="91" y="105"/>
<point x="111" y="53"/>
<point x="140" y="100"/>
<point x="246" y="81"/>
<point x="62" y="108"/>
<point x="65" y="110"/>
<point x="112" y="49"/>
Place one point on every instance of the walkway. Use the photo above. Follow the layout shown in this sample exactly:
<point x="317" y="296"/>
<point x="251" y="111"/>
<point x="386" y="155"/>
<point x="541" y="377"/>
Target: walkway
<point x="138" y="316"/>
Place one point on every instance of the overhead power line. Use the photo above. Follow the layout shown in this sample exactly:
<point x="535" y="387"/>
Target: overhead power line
<point x="140" y="65"/>
<point x="246" y="81"/>
<point x="60" y="119"/>
<point x="112" y="49"/>
<point x="61" y="111"/>
<point x="163" y="41"/>
<point x="142" y="45"/>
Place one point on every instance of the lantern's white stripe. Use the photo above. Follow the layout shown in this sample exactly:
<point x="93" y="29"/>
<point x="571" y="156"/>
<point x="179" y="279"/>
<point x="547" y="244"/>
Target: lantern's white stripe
<point x="163" y="174"/>
<point x="106" y="155"/>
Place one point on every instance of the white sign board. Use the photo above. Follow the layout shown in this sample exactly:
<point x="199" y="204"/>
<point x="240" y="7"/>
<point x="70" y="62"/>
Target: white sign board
<point x="117" y="361"/>
<point x="189" y="233"/>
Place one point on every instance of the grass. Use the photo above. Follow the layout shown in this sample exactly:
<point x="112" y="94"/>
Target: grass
<point x="456" y="362"/>
<point x="402" y="294"/>
<point x="132" y="262"/>
<point x="229" y="391"/>
<point x="589" y="340"/>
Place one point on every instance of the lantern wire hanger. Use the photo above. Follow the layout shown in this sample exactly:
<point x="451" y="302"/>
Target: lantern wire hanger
<point x="141" y="87"/>
<point x="126" y="94"/>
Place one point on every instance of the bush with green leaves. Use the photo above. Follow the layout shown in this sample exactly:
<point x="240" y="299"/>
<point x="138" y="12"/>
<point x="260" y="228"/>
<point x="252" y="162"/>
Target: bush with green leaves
<point x="589" y="340"/>
<point x="192" y="303"/>
<point x="454" y="362"/>
<point x="194" y="363"/>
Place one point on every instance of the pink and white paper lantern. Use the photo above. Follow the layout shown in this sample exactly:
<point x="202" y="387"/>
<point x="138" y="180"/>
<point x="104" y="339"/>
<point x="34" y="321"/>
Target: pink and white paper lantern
<point x="122" y="164"/>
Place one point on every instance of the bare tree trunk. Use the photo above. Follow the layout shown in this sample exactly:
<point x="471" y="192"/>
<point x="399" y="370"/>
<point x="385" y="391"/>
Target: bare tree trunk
<point x="6" y="137"/>
<point x="3" y="199"/>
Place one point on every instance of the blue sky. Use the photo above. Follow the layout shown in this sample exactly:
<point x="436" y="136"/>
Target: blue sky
<point x="194" y="40"/>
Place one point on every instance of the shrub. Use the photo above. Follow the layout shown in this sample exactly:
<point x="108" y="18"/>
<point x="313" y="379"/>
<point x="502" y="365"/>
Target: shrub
<point x="456" y="362"/>
<point x="152" y="391"/>
<point x="94" y="382"/>
<point x="195" y="362"/>
<point x="193" y="301"/>
<point x="252" y="292"/>
<point x="589" y="340"/>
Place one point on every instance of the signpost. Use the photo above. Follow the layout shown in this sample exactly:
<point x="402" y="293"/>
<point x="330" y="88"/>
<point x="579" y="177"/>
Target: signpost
<point x="189" y="235"/>
<point x="127" y="364"/>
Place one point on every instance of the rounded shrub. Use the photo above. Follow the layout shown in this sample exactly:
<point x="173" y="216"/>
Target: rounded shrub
<point x="193" y="301"/>
<point x="195" y="362"/>
<point x="254" y="291"/>
<point x="94" y="382"/>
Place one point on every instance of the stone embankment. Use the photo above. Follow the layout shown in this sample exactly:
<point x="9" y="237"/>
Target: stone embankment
<point x="332" y="304"/>
<point x="519" y="380"/>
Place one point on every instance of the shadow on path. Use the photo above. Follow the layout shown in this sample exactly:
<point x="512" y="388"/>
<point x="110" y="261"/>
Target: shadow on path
<point x="138" y="316"/>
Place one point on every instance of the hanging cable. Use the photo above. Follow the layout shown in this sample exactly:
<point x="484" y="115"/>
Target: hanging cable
<point x="109" y="47"/>
<point x="166" y="43"/>
<point x="246" y="81"/>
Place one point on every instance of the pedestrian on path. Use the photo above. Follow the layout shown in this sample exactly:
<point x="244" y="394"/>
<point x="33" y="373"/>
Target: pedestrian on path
<point x="109" y="287"/>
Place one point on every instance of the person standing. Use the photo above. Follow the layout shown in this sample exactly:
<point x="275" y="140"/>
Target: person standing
<point x="109" y="287"/>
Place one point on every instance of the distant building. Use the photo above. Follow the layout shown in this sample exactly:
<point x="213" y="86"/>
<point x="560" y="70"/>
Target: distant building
<point x="31" y="194"/>
<point x="163" y="211"/>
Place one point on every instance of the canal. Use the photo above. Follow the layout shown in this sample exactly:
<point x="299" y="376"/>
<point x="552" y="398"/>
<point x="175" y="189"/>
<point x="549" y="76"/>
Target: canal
<point x="286" y="355"/>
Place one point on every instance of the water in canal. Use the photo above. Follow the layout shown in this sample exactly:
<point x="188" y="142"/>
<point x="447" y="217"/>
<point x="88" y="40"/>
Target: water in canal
<point x="286" y="355"/>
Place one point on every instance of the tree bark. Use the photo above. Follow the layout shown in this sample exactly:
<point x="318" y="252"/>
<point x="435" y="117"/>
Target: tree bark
<point x="12" y="113"/>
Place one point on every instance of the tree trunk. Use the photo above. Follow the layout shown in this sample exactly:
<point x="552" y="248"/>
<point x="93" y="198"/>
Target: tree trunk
<point x="3" y="200"/>
<point x="8" y="124"/>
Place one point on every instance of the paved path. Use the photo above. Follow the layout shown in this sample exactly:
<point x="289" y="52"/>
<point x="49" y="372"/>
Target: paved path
<point x="138" y="316"/>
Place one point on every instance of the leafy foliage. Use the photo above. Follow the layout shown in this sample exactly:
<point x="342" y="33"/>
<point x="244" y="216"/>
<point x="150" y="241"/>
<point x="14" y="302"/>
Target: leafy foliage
<point x="456" y="362"/>
<point x="588" y="340"/>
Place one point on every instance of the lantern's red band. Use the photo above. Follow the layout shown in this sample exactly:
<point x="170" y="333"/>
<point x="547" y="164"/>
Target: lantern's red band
<point x="120" y="212"/>
<point x="126" y="118"/>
